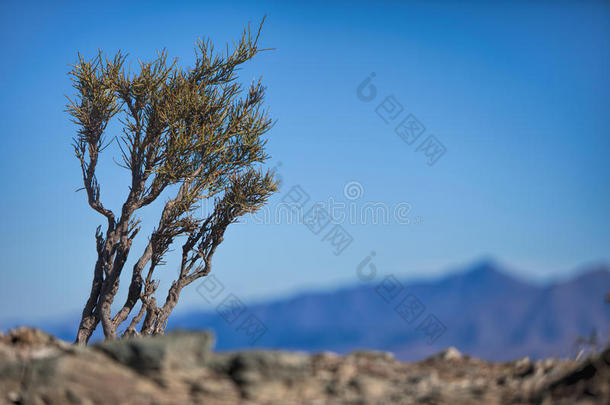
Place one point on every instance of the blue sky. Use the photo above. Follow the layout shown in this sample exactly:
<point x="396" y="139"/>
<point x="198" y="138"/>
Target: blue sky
<point x="516" y="92"/>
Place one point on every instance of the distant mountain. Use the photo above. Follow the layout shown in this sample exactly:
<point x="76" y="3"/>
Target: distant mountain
<point x="482" y="311"/>
<point x="485" y="312"/>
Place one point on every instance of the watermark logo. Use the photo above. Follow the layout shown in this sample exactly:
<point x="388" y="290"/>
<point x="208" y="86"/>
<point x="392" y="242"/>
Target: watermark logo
<point x="366" y="270"/>
<point x="353" y="190"/>
<point x="296" y="207"/>
<point x="410" y="129"/>
<point x="339" y="239"/>
<point x="409" y="308"/>
<point x="432" y="148"/>
<point x="366" y="91"/>
<point x="231" y="308"/>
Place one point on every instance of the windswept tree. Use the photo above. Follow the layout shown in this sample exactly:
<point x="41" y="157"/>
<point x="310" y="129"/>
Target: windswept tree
<point x="198" y="130"/>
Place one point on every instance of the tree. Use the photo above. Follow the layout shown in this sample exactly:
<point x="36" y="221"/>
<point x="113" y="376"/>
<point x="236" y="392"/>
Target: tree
<point x="197" y="130"/>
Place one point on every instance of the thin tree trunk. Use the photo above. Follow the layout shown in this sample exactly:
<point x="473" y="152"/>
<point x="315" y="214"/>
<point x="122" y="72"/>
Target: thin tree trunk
<point x="167" y="308"/>
<point x="135" y="287"/>
<point x="89" y="319"/>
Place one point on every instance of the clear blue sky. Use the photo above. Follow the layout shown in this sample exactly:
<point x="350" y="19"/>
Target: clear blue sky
<point x="517" y="92"/>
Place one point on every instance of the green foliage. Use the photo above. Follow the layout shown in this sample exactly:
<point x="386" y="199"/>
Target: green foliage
<point x="177" y="125"/>
<point x="198" y="129"/>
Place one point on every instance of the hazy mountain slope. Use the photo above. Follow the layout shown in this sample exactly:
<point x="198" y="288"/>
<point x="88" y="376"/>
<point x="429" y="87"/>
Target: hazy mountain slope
<point x="486" y="313"/>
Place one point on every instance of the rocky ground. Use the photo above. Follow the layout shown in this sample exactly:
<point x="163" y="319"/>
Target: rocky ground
<point x="180" y="368"/>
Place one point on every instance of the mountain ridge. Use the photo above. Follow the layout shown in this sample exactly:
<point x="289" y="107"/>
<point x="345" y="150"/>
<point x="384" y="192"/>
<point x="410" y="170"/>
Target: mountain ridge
<point x="485" y="310"/>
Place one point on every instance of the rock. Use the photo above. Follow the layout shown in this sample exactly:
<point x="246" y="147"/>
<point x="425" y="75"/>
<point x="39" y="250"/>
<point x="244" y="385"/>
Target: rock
<point x="13" y="397"/>
<point x="448" y="354"/>
<point x="523" y="367"/>
<point x="589" y="379"/>
<point x="142" y="354"/>
<point x="250" y="367"/>
<point x="27" y="336"/>
<point x="373" y="354"/>
<point x="149" y="355"/>
<point x="181" y="368"/>
<point x="369" y="387"/>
